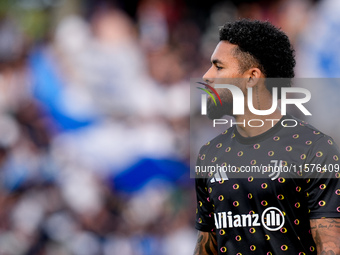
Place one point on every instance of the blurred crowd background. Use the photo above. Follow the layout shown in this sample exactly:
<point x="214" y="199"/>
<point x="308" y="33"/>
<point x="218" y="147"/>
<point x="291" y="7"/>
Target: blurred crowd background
<point x="94" y="115"/>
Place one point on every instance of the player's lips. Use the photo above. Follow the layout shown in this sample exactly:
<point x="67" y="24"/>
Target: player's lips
<point x="210" y="90"/>
<point x="206" y="86"/>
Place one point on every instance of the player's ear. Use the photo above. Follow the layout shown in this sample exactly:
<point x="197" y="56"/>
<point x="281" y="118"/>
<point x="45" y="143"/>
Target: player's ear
<point x="253" y="76"/>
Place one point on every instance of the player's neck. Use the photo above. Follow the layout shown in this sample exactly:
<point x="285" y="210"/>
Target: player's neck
<point x="250" y="125"/>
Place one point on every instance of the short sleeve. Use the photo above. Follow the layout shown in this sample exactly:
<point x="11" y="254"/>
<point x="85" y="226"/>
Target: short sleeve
<point x="323" y="186"/>
<point x="204" y="210"/>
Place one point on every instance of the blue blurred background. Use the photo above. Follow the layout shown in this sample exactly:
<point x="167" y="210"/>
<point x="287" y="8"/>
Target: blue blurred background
<point x="94" y="115"/>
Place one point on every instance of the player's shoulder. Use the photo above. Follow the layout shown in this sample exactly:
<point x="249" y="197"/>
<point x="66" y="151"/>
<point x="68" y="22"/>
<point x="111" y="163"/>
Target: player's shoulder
<point x="218" y="140"/>
<point x="306" y="130"/>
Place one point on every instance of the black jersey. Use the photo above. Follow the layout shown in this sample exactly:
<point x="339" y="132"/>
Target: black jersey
<point x="268" y="212"/>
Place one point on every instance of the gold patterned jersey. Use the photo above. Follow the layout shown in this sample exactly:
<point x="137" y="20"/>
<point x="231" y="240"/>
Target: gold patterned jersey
<point x="259" y="193"/>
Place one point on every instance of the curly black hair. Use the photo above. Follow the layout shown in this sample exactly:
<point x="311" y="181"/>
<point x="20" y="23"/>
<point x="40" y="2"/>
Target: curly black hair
<point x="262" y="45"/>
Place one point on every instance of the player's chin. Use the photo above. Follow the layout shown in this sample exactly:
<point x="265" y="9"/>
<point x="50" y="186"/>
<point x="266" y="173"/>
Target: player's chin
<point x="215" y="112"/>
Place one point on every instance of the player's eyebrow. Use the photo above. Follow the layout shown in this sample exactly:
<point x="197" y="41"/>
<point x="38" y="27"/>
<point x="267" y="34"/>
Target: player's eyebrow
<point x="216" y="61"/>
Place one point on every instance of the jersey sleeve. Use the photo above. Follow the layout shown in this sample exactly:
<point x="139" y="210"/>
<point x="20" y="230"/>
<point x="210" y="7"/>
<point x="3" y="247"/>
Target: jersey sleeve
<point x="323" y="183"/>
<point x="204" y="210"/>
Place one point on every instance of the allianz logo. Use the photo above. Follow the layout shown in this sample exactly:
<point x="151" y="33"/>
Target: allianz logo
<point x="271" y="219"/>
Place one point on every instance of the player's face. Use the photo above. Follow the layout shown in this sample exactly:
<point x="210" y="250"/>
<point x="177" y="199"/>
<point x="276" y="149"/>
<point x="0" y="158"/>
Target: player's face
<point x="224" y="70"/>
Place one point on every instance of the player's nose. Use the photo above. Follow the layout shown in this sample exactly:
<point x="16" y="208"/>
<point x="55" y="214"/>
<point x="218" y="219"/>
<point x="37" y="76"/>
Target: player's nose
<point x="207" y="77"/>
